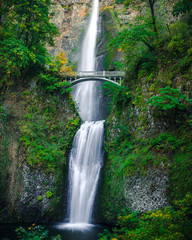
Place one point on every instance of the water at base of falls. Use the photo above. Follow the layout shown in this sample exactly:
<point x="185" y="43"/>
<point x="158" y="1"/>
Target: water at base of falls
<point x="7" y="231"/>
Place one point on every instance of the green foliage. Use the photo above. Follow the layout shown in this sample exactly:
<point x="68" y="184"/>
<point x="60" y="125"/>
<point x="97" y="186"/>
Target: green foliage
<point x="14" y="55"/>
<point x="177" y="46"/>
<point x="131" y="154"/>
<point x="150" y="129"/>
<point x="31" y="22"/>
<point x="139" y="32"/>
<point x="26" y="31"/>
<point x="181" y="29"/>
<point x="170" y="98"/>
<point x="169" y="223"/>
<point x="50" y="83"/>
<point x="43" y="136"/>
<point x="167" y="142"/>
<point x="35" y="233"/>
<point x="119" y="65"/>
<point x="180" y="174"/>
<point x="119" y="1"/>
<point x="40" y="198"/>
<point x="49" y="194"/>
<point x="180" y="7"/>
<point x="120" y="94"/>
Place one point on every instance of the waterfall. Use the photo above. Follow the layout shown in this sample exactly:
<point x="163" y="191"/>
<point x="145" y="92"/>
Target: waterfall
<point x="85" y="164"/>
<point x="86" y="94"/>
<point x="86" y="155"/>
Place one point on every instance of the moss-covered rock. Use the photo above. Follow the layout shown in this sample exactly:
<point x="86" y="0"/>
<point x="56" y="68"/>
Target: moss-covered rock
<point x="36" y="136"/>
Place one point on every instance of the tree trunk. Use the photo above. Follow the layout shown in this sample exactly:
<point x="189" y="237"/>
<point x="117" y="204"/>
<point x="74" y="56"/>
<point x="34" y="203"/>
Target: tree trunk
<point x="151" y="4"/>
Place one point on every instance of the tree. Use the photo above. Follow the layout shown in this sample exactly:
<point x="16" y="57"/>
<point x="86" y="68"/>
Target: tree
<point x="4" y="9"/>
<point x="64" y="65"/>
<point x="183" y="6"/>
<point x="138" y="32"/>
<point x="30" y="21"/>
<point x="26" y="31"/>
<point x="151" y="5"/>
<point x="143" y="30"/>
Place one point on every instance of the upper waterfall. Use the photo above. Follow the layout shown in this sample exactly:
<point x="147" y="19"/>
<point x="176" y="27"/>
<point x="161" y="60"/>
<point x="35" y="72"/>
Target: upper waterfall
<point x="86" y="95"/>
<point x="88" y="58"/>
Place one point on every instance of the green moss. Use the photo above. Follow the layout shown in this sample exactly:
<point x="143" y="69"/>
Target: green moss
<point x="5" y="139"/>
<point x="180" y="175"/>
<point x="49" y="194"/>
<point x="133" y="147"/>
<point x="40" y="198"/>
<point x="44" y="136"/>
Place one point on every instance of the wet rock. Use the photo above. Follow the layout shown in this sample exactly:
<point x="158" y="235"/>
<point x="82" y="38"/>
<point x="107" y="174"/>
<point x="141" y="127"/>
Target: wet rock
<point x="146" y="193"/>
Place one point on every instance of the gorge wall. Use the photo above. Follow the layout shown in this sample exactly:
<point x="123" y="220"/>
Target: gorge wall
<point x="139" y="171"/>
<point x="36" y="136"/>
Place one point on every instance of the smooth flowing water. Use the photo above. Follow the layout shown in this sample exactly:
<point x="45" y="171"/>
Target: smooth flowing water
<point x="86" y="154"/>
<point x="85" y="163"/>
<point x="85" y="94"/>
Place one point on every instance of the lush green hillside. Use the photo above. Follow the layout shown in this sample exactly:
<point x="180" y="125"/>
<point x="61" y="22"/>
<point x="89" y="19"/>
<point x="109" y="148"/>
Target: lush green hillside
<point x="149" y="129"/>
<point x="37" y="115"/>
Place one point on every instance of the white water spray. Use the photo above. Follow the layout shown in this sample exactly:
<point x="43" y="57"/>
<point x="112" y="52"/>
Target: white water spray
<point x="86" y="154"/>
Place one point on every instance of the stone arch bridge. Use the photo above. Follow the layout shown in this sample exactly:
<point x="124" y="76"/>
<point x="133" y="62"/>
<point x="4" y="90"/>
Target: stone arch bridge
<point x="114" y="77"/>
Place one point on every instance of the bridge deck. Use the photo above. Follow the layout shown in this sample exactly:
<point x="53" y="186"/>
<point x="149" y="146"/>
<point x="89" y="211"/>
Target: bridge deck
<point x="100" y="74"/>
<point x="113" y="76"/>
<point x="106" y="74"/>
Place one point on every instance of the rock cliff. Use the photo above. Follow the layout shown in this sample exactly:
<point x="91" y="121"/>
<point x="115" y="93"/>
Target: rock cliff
<point x="36" y="136"/>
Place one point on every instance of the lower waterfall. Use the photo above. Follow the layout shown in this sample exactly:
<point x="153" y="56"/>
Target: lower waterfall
<point x="85" y="163"/>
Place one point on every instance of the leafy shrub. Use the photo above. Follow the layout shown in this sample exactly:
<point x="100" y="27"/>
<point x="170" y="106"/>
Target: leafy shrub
<point x="43" y="135"/>
<point x="167" y="142"/>
<point x="35" y="233"/>
<point x="177" y="45"/>
<point x="52" y="84"/>
<point x="180" y="174"/>
<point x="14" y="56"/>
<point x="181" y="7"/>
<point x="49" y="194"/>
<point x="170" y="98"/>
<point x="40" y="198"/>
<point x="171" y="223"/>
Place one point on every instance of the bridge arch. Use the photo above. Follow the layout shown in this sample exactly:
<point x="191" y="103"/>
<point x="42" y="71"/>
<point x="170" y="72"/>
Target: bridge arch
<point x="100" y="79"/>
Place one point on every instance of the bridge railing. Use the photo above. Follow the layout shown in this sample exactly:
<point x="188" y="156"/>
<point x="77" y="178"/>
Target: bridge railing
<point x="114" y="76"/>
<point x="100" y="73"/>
<point x="96" y="74"/>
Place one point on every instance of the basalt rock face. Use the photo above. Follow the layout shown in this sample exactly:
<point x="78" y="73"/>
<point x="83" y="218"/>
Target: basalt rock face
<point x="146" y="193"/>
<point x="31" y="192"/>
<point x="136" y="175"/>
<point x="71" y="18"/>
